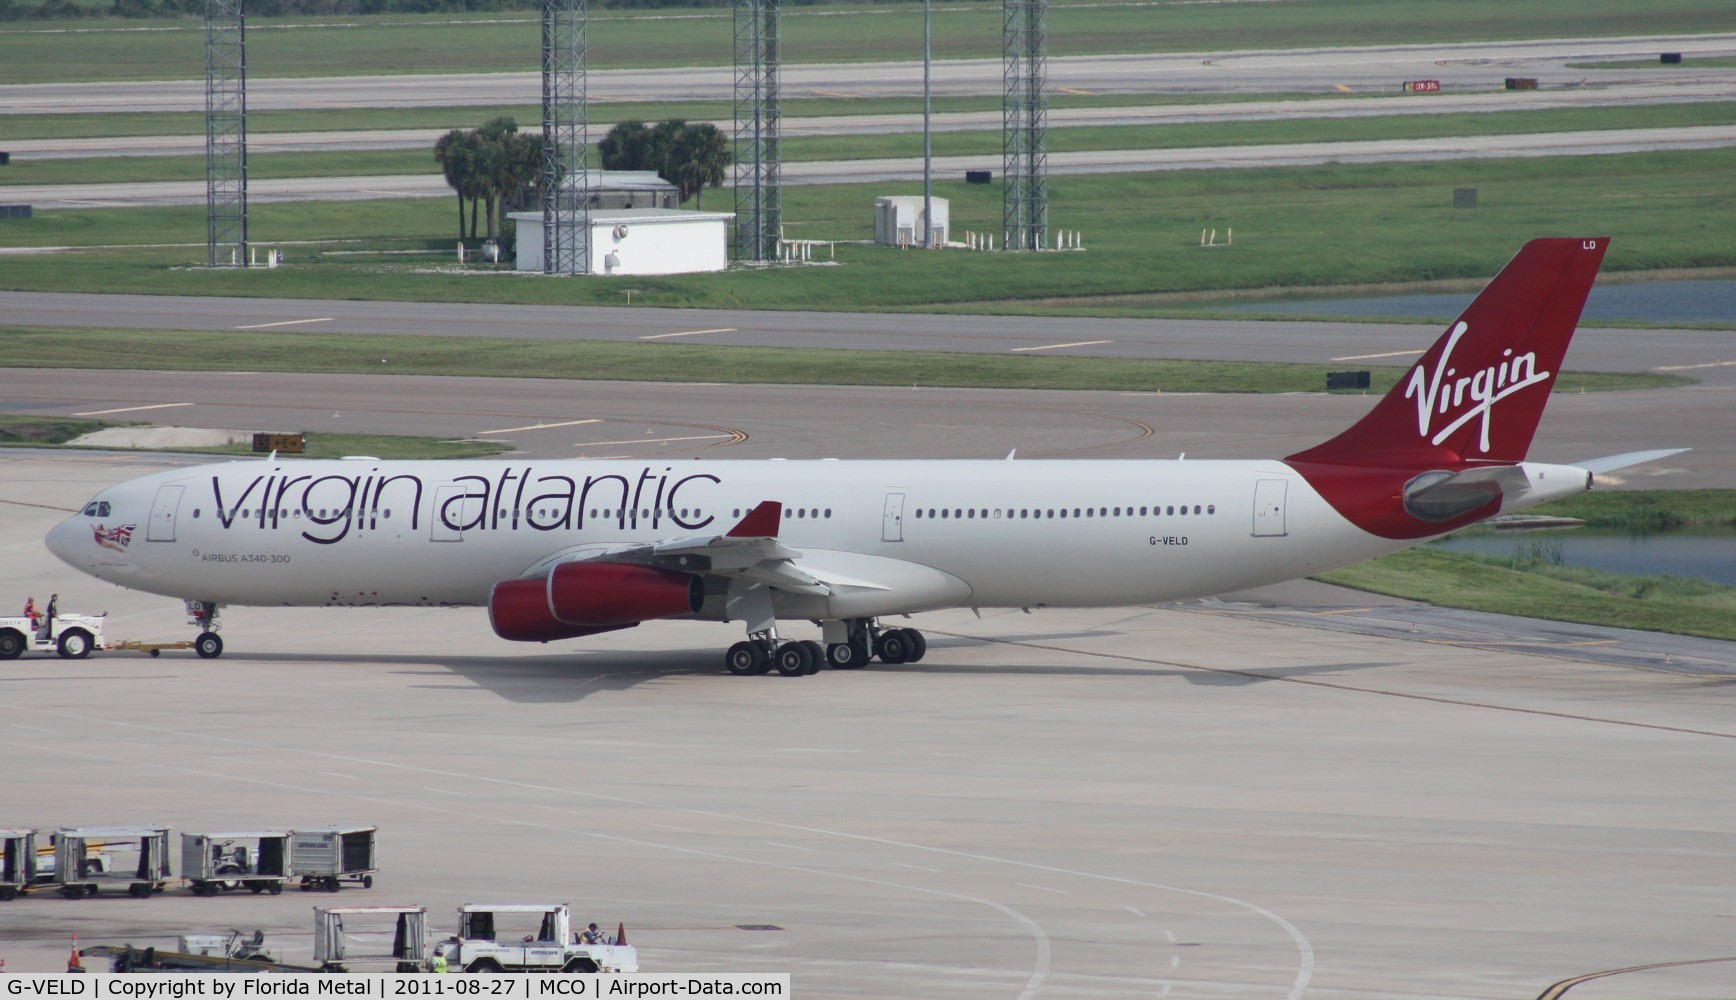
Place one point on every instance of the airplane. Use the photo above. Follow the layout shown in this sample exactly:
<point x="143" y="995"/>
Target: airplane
<point x="562" y="549"/>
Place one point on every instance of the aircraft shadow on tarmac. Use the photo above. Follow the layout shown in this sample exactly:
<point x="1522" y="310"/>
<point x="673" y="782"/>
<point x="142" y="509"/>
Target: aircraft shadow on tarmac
<point x="556" y="679"/>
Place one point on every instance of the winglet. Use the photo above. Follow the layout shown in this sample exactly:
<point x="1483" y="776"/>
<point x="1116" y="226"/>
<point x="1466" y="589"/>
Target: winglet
<point x="761" y="522"/>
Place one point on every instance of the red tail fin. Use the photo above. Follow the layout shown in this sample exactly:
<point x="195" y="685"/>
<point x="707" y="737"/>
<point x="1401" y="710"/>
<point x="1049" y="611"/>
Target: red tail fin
<point x="1477" y="394"/>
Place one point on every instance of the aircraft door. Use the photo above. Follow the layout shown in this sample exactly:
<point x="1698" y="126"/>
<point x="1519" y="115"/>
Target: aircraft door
<point x="892" y="519"/>
<point x="451" y="514"/>
<point x="1269" y="507"/>
<point x="163" y="510"/>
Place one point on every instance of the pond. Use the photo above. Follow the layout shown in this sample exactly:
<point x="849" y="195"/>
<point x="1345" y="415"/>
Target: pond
<point x="1708" y="555"/>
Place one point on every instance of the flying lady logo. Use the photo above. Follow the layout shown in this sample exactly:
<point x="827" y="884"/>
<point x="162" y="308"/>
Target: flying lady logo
<point x="1444" y="391"/>
<point x="117" y="539"/>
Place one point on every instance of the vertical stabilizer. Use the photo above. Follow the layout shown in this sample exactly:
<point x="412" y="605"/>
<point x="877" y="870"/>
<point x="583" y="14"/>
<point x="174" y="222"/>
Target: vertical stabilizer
<point x="1477" y="394"/>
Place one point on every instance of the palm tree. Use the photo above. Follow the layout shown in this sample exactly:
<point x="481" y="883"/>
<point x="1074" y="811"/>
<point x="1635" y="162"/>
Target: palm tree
<point x="451" y="152"/>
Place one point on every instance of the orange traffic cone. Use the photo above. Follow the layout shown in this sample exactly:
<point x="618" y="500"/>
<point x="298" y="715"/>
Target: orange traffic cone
<point x="621" y="933"/>
<point x="73" y="962"/>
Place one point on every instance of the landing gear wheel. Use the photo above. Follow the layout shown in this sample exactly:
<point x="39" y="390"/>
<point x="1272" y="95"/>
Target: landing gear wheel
<point x="746" y="658"/>
<point x="816" y="656"/>
<point x="209" y="645"/>
<point x="895" y="646"/>
<point x="918" y="645"/>
<point x="793" y="659"/>
<point x="11" y="644"/>
<point x="851" y="655"/>
<point x="74" y="644"/>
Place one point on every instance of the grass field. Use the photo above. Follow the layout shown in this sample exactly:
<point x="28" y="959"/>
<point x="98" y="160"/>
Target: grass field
<point x="278" y="350"/>
<point x="156" y="50"/>
<point x="22" y="431"/>
<point x="1560" y="593"/>
<point x="1312" y="227"/>
<point x="262" y="166"/>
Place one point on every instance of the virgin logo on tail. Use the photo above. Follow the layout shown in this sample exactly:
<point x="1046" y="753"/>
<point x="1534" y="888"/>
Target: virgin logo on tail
<point x="1440" y="393"/>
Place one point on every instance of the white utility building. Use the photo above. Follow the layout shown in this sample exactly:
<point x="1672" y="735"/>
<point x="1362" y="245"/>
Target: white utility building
<point x="629" y="241"/>
<point x="898" y="220"/>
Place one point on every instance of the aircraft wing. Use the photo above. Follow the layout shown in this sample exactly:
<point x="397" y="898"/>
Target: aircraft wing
<point x="750" y="551"/>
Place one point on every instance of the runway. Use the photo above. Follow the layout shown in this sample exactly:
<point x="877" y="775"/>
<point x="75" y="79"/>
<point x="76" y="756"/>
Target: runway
<point x="1615" y="95"/>
<point x="1381" y="68"/>
<point x="1164" y="801"/>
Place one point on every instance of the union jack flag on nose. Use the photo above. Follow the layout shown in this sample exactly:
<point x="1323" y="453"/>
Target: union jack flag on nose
<point x="117" y="538"/>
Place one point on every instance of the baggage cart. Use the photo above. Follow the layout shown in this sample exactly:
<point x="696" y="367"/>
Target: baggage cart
<point x="325" y="856"/>
<point x="255" y="860"/>
<point x="334" y="944"/>
<point x="144" y="872"/>
<point x="17" y="862"/>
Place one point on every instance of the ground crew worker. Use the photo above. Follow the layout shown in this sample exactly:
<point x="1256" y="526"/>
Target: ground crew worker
<point x="438" y="963"/>
<point x="47" y="629"/>
<point x="30" y="611"/>
<point x="591" y="936"/>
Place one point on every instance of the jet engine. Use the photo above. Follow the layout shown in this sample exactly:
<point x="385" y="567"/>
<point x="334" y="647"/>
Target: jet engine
<point x="584" y="598"/>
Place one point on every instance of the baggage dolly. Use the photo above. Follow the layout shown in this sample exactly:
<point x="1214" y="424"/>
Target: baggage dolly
<point x="324" y="857"/>
<point x="17" y="862"/>
<point x="77" y="875"/>
<point x="255" y="860"/>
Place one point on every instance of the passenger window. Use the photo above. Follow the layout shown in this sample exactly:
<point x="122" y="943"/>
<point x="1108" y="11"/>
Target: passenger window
<point x="1211" y="508"/>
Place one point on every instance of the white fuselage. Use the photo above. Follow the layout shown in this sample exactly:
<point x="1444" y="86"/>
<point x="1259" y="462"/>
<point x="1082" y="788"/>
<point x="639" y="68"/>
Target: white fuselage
<point x="918" y="535"/>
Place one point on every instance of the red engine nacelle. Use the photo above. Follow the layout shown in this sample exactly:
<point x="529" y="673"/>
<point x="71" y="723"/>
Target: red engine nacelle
<point x="585" y="598"/>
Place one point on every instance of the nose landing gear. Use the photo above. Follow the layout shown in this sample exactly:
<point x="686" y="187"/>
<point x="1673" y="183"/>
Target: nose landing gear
<point x="209" y="645"/>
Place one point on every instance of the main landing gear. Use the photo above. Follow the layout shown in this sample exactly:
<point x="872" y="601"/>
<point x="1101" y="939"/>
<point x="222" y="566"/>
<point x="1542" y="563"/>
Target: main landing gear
<point x="863" y="639"/>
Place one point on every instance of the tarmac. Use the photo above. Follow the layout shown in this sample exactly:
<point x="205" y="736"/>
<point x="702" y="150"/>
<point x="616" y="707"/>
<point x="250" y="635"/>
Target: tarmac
<point x="1247" y="797"/>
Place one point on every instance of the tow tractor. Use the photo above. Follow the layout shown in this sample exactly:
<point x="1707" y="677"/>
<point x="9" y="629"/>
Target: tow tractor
<point x="548" y="944"/>
<point x="72" y="636"/>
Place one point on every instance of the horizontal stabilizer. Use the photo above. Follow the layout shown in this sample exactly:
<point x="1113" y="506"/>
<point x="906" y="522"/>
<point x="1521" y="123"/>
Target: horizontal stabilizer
<point x="1610" y="463"/>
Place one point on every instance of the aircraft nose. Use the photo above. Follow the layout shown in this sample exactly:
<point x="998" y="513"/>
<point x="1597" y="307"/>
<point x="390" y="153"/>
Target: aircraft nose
<point x="63" y="539"/>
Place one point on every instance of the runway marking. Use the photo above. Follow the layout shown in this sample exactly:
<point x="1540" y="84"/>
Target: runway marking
<point x="793" y="847"/>
<point x="1685" y="368"/>
<point x="334" y="774"/>
<point x="446" y="791"/>
<point x="1169" y="936"/>
<point x="891" y="864"/>
<point x="1043" y="888"/>
<point x="1075" y="90"/>
<point x="286" y="322"/>
<point x="1339" y="686"/>
<point x="132" y="409"/>
<point x="677" y="829"/>
<point x="689" y="333"/>
<point x="1056" y="347"/>
<point x="1371" y="357"/>
<point x="1566" y="984"/>
<point x="1133" y="911"/>
<point x="539" y="427"/>
<point x="693" y="437"/>
<point x="1040" y="965"/>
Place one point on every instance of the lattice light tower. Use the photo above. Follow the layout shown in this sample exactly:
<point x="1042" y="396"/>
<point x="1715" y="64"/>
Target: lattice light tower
<point x="758" y="199"/>
<point x="1024" y="124"/>
<point x="566" y="177"/>
<point x="225" y="134"/>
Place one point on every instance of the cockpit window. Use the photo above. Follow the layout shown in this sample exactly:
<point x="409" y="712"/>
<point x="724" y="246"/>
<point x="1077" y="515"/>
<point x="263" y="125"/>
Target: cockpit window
<point x="96" y="508"/>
